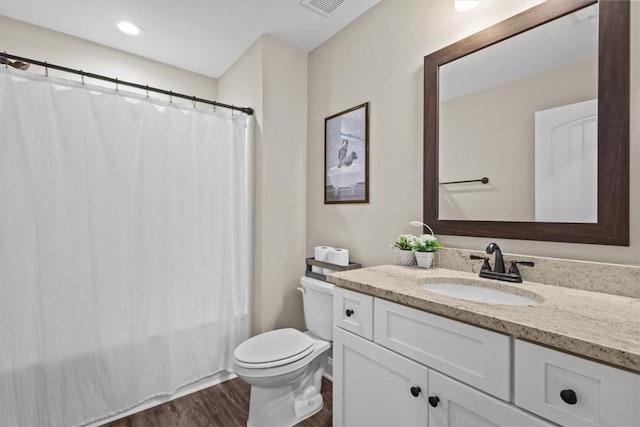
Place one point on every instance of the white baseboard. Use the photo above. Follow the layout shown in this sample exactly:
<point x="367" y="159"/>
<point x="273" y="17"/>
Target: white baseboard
<point x="182" y="391"/>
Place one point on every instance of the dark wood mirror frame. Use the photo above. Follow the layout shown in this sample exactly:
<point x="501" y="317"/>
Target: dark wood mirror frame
<point x="612" y="227"/>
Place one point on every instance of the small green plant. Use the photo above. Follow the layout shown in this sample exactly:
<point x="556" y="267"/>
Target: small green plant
<point x="426" y="243"/>
<point x="405" y="242"/>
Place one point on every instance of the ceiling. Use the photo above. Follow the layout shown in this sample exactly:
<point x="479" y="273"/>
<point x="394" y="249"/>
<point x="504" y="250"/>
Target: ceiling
<point x="204" y="36"/>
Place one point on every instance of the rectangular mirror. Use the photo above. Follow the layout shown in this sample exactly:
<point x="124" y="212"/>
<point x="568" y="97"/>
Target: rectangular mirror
<point x="527" y="127"/>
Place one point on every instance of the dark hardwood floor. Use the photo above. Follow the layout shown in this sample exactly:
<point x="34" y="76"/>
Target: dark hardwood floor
<point x="225" y="405"/>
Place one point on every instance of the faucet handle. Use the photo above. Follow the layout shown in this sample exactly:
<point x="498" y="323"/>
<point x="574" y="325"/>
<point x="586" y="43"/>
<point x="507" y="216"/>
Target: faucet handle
<point x="525" y="263"/>
<point x="513" y="269"/>
<point x="485" y="265"/>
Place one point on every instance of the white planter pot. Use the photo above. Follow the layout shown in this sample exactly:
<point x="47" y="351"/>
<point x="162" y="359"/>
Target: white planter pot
<point x="406" y="257"/>
<point x="425" y="259"/>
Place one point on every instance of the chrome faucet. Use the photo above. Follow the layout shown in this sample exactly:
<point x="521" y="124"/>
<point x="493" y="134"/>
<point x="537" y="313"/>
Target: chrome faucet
<point x="498" y="265"/>
<point x="498" y="271"/>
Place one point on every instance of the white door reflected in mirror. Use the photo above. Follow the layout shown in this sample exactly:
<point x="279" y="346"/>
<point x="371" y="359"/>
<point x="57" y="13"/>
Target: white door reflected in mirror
<point x="566" y="163"/>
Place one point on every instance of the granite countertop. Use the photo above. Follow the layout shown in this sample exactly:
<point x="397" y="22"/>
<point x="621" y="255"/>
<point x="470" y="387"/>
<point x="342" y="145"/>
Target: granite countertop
<point x="599" y="326"/>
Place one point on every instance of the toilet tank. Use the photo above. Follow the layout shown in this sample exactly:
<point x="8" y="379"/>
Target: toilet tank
<point x="317" y="298"/>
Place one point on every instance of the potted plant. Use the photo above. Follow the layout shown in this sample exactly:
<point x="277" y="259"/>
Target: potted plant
<point x="424" y="248"/>
<point x="404" y="244"/>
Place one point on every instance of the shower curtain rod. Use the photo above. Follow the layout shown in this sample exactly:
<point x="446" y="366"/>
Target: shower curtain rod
<point x="46" y="65"/>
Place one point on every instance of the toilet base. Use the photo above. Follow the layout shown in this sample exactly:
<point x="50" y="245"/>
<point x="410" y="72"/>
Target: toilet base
<point x="308" y="408"/>
<point x="277" y="406"/>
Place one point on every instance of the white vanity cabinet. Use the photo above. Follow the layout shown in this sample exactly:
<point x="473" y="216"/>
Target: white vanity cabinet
<point x="394" y="379"/>
<point x="398" y="366"/>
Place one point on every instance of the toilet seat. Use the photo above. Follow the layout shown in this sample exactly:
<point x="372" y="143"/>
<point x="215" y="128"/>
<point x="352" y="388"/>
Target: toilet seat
<point x="272" y="349"/>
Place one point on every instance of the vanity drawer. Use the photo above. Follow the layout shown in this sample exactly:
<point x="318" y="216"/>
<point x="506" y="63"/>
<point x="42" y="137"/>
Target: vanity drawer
<point x="601" y="395"/>
<point x="353" y="312"/>
<point x="475" y="356"/>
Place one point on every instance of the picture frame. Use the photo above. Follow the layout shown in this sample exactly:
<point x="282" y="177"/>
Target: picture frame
<point x="346" y="156"/>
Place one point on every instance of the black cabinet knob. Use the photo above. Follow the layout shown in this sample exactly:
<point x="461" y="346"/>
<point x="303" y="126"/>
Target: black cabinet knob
<point x="434" y="400"/>
<point x="569" y="397"/>
<point x="415" y="391"/>
<point x="348" y="312"/>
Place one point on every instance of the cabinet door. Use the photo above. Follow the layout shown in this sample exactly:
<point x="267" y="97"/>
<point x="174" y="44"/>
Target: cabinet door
<point x="453" y="404"/>
<point x="373" y="386"/>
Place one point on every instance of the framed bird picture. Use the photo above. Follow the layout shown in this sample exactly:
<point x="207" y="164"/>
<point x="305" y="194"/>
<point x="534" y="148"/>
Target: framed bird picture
<point x="346" y="156"/>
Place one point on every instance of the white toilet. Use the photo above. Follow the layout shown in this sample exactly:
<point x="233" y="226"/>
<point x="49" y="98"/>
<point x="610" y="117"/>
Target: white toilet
<point x="285" y="366"/>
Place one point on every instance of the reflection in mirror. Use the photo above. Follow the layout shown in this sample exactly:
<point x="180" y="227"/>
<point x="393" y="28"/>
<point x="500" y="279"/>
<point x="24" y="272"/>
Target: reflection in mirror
<point x="523" y="112"/>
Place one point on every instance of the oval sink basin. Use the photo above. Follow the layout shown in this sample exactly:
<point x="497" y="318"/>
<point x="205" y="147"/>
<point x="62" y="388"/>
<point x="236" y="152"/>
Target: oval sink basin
<point x="478" y="294"/>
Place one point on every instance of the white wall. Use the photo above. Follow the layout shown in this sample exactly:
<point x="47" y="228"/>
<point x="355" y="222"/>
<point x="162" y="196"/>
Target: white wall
<point x="379" y="58"/>
<point x="272" y="77"/>
<point x="22" y="39"/>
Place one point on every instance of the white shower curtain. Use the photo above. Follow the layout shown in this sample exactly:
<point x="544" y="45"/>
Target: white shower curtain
<point x="125" y="248"/>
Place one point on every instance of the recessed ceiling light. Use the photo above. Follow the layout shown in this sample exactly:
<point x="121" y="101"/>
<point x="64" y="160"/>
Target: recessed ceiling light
<point x="465" y="5"/>
<point x="128" y="27"/>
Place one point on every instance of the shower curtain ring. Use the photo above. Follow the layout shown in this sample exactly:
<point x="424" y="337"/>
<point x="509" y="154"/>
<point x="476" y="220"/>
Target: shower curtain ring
<point x="116" y="84"/>
<point x="170" y="97"/>
<point x="6" y="61"/>
<point x="82" y="76"/>
<point x="194" y="102"/>
<point x="46" y="69"/>
<point x="147" y="91"/>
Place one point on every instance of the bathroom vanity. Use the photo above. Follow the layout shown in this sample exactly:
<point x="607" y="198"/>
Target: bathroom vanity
<point x="404" y="355"/>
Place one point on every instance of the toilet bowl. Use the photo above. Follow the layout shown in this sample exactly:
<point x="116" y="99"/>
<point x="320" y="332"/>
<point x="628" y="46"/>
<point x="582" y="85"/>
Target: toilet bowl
<point x="285" y="367"/>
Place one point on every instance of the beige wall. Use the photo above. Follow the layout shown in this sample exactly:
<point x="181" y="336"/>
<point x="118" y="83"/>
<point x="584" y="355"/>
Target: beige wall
<point x="22" y="39"/>
<point x="494" y="129"/>
<point x="379" y="58"/>
<point x="272" y="77"/>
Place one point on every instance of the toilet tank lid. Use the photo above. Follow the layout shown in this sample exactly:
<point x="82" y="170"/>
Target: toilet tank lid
<point x="273" y="346"/>
<point x="316" y="285"/>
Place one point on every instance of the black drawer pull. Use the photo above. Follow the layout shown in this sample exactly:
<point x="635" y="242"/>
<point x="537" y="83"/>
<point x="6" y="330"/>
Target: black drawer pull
<point x="415" y="391"/>
<point x="434" y="400"/>
<point x="569" y="397"/>
<point x="348" y="312"/>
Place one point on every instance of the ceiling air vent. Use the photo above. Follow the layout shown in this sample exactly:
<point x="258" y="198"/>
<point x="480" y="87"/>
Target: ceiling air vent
<point x="323" y="7"/>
